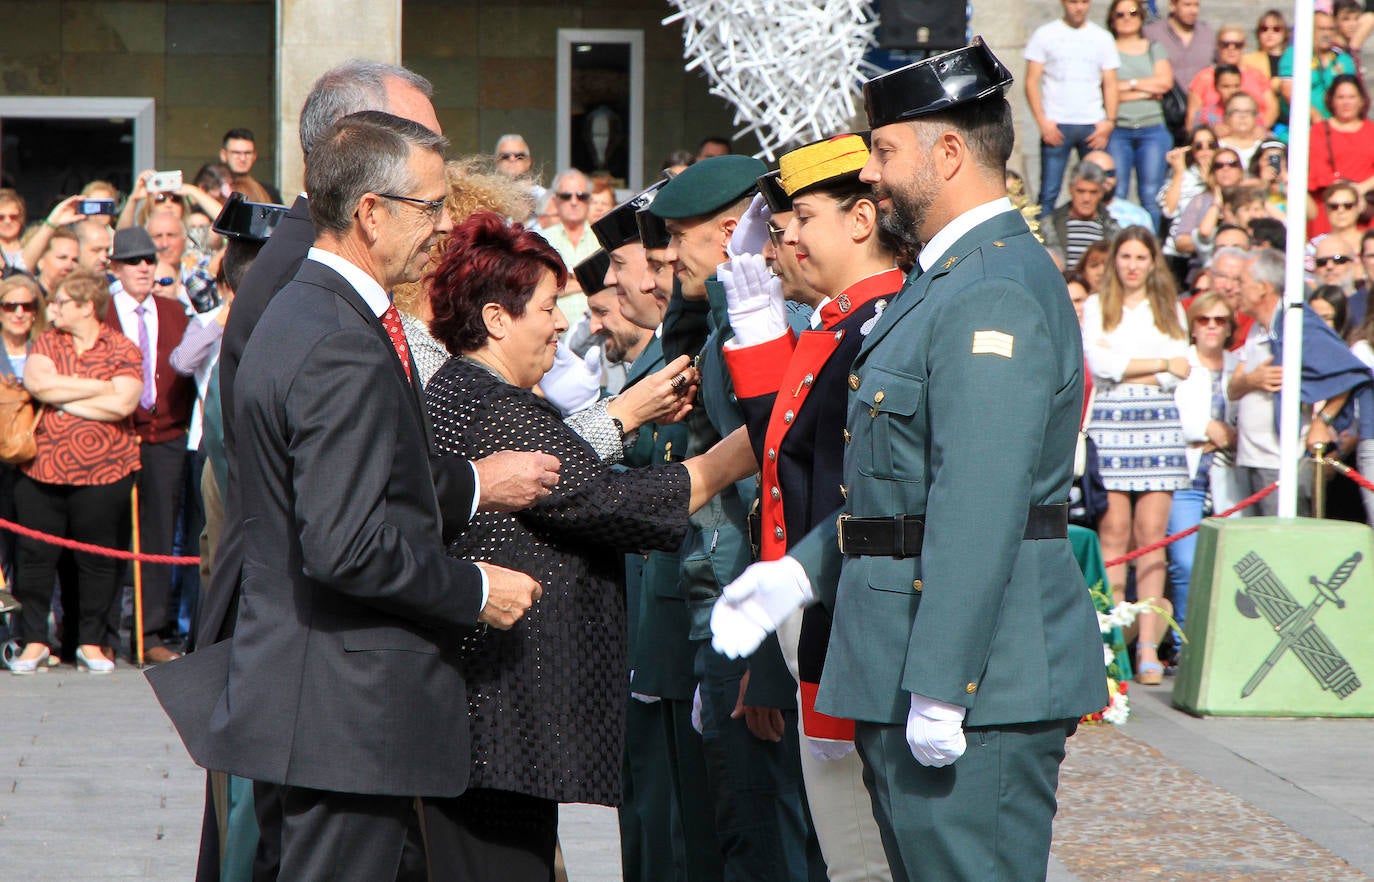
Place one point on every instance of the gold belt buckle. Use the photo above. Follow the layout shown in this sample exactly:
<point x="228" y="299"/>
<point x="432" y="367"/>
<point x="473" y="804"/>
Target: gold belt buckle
<point x="839" y="531"/>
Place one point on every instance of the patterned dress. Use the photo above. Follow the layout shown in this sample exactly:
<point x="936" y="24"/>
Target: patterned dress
<point x="1135" y="426"/>
<point x="546" y="699"/>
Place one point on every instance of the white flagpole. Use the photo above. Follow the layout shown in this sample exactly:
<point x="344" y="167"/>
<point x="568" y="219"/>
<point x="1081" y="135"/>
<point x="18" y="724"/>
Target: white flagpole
<point x="1290" y="442"/>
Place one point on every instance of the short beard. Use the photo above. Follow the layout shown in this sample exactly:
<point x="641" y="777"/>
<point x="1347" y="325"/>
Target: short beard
<point x="906" y="215"/>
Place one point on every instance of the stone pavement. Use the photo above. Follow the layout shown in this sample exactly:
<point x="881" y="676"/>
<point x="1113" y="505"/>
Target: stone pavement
<point x="94" y="785"/>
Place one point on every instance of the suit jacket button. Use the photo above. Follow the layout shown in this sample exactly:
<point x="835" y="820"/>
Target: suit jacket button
<point x="846" y="436"/>
<point x="878" y="398"/>
<point x="917" y="585"/>
<point x="971" y="688"/>
<point x="777" y="532"/>
<point x="772" y="454"/>
<point x="808" y="379"/>
<point x="775" y="493"/>
<point x="854" y="382"/>
<point x="787" y="417"/>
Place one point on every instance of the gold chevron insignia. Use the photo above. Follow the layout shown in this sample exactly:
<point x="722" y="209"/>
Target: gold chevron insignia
<point x="992" y="343"/>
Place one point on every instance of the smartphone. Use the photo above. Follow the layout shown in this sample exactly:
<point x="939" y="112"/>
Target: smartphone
<point x="1275" y="161"/>
<point x="96" y="206"/>
<point x="164" y="182"/>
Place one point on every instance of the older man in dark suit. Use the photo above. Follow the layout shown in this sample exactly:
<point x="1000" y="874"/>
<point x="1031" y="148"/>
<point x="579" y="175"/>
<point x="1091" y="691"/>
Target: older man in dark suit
<point x="340" y="671"/>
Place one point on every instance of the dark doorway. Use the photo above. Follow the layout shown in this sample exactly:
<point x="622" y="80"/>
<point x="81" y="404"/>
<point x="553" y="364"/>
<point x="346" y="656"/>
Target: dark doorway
<point x="600" y="95"/>
<point x="48" y="159"/>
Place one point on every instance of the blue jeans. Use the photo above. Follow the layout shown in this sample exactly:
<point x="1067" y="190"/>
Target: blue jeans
<point x="1142" y="150"/>
<point x="1185" y="512"/>
<point x="1054" y="159"/>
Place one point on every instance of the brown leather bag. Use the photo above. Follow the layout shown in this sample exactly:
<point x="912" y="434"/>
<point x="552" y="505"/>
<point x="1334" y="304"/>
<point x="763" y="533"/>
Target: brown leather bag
<point x="19" y="416"/>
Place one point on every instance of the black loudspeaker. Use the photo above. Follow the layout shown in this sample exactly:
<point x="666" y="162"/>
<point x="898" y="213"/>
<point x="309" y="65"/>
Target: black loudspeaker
<point x="923" y="24"/>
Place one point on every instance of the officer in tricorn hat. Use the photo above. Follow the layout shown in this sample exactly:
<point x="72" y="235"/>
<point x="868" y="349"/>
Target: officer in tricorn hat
<point x="701" y="209"/>
<point x="964" y="643"/>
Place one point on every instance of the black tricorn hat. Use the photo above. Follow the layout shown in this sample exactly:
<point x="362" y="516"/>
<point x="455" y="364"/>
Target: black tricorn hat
<point x="618" y="226"/>
<point x="653" y="232"/>
<point x="773" y="193"/>
<point x="249" y="221"/>
<point x="591" y="273"/>
<point x="935" y="84"/>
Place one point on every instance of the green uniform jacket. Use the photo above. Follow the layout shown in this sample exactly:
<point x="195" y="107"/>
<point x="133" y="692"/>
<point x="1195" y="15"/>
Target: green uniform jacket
<point x="717" y="547"/>
<point x="661" y="656"/>
<point x="964" y="405"/>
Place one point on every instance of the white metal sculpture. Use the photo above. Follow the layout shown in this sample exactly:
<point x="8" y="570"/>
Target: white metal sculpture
<point x="790" y="68"/>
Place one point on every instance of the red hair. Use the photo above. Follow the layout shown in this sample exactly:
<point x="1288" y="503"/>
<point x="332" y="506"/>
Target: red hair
<point x="486" y="260"/>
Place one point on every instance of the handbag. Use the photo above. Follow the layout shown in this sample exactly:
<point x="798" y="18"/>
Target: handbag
<point x="1175" y="104"/>
<point x="19" y="417"/>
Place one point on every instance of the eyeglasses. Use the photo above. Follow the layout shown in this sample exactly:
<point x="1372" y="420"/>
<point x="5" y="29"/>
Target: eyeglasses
<point x="1108" y="172"/>
<point x="164" y="282"/>
<point x="1273" y="29"/>
<point x="1226" y="163"/>
<point x="1126" y="13"/>
<point x="59" y="302"/>
<point x="1337" y="259"/>
<point x="565" y="196"/>
<point x="1204" y="145"/>
<point x="431" y="206"/>
<point x="1241" y="111"/>
<point x="1339" y="206"/>
<point x="507" y="157"/>
<point x="19" y="306"/>
<point x="1218" y="321"/>
<point x="1230" y="44"/>
<point x="9" y="217"/>
<point x="775" y="234"/>
<point x="166" y="197"/>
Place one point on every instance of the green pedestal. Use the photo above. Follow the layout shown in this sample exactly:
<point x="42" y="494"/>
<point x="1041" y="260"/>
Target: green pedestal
<point x="1279" y="619"/>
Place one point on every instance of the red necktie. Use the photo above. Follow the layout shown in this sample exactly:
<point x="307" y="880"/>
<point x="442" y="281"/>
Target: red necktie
<point x="391" y="320"/>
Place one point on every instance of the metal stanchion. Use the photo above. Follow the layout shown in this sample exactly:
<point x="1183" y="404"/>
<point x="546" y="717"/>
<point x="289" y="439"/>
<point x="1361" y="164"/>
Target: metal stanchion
<point x="138" y="582"/>
<point x="1319" y="481"/>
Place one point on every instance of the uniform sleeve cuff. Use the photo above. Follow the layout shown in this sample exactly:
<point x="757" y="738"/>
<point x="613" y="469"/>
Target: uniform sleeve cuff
<point x="757" y="370"/>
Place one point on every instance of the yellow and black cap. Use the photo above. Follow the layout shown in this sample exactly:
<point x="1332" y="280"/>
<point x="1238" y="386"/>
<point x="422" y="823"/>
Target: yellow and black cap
<point x="617" y="227"/>
<point x="832" y="161"/>
<point x="935" y="84"/>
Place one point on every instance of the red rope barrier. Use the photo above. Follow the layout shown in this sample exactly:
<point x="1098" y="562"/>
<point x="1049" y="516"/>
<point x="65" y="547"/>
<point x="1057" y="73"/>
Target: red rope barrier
<point x="95" y="549"/>
<point x="1170" y="540"/>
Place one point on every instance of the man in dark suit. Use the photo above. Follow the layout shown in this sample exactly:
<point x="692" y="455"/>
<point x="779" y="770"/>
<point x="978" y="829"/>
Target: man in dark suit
<point x="340" y="670"/>
<point x="155" y="325"/>
<point x="964" y="642"/>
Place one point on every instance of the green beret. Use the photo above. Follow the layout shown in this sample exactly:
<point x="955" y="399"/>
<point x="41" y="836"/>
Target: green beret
<point x="708" y="186"/>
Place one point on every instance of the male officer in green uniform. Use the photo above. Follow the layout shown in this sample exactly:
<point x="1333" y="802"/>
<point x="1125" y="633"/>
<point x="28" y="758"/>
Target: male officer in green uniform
<point x="753" y="760"/>
<point x="964" y="641"/>
<point x="666" y="822"/>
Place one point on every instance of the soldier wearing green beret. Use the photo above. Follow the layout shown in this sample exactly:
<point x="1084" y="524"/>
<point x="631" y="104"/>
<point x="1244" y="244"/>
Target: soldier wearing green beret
<point x="964" y="642"/>
<point x="754" y="768"/>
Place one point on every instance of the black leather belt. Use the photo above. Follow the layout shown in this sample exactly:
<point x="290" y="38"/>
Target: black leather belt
<point x="903" y="535"/>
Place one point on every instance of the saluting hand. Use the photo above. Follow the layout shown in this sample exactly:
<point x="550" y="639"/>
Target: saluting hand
<point x="509" y="594"/>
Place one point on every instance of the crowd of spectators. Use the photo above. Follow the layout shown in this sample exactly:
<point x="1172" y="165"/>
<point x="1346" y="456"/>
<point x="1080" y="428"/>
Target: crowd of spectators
<point x="1180" y="310"/>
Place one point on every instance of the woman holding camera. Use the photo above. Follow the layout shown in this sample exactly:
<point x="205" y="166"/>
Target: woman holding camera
<point x="89" y="377"/>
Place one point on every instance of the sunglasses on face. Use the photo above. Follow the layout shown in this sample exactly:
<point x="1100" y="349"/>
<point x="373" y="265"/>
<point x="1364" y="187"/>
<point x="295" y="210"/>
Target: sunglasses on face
<point x="1337" y="259"/>
<point x="1273" y="29"/>
<point x="164" y="282"/>
<point x="135" y="261"/>
<point x="9" y="217"/>
<point x="507" y="157"/>
<point x="564" y="196"/>
<point x="19" y="306"/>
<point x="1126" y="13"/>
<point x="1339" y="206"/>
<point x="1230" y="44"/>
<point x="1226" y="163"/>
<point x="1204" y="145"/>
<point x="1219" y="321"/>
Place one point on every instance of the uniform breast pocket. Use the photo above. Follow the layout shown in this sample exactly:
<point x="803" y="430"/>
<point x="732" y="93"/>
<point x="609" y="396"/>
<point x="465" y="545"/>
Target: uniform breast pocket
<point x="888" y="410"/>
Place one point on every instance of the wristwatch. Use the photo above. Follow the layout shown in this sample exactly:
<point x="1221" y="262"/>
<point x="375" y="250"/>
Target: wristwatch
<point x="1329" y="420"/>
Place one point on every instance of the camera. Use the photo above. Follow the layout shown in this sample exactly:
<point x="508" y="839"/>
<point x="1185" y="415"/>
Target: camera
<point x="95" y="206"/>
<point x="1275" y="161"/>
<point x="164" y="182"/>
<point x="202" y="292"/>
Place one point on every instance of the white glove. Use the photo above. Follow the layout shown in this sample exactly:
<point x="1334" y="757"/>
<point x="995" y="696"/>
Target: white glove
<point x="751" y="607"/>
<point x="696" y="711"/>
<point x="753" y="299"/>
<point x="935" y="731"/>
<point x="751" y="233"/>
<point x="824" y="750"/>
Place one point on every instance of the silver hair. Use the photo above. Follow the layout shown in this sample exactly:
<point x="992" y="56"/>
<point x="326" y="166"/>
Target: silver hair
<point x="1231" y="251"/>
<point x="570" y="171"/>
<point x="365" y="152"/>
<point x="357" y="84"/>
<point x="510" y="136"/>
<point x="1267" y="267"/>
<point x="1090" y="172"/>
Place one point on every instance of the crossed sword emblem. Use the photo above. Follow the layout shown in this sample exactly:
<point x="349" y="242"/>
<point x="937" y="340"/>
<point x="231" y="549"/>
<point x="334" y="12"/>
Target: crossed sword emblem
<point x="1295" y="624"/>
